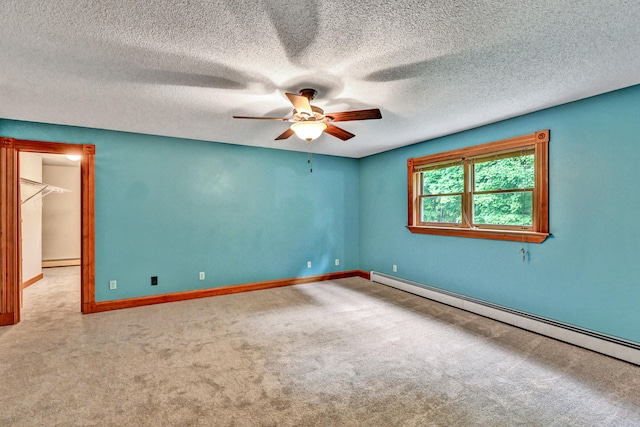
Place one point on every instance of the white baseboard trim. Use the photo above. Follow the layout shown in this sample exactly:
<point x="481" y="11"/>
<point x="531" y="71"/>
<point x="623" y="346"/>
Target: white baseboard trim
<point x="628" y="351"/>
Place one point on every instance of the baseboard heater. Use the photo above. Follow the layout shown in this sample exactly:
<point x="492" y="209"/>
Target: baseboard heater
<point x="628" y="351"/>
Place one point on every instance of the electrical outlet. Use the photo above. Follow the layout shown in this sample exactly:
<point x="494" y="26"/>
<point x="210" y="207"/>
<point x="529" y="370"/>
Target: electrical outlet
<point x="395" y="268"/>
<point x="337" y="261"/>
<point x="202" y="275"/>
<point x="154" y="280"/>
<point x="113" y="284"/>
<point x="308" y="264"/>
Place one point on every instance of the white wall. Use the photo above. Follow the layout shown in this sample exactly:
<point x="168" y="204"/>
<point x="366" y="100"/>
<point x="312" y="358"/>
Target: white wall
<point x="31" y="168"/>
<point x="61" y="214"/>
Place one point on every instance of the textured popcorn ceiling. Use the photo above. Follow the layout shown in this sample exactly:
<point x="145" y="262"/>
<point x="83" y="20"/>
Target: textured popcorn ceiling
<point x="184" y="67"/>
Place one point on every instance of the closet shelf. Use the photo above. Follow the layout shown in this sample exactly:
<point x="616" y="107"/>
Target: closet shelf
<point x="41" y="188"/>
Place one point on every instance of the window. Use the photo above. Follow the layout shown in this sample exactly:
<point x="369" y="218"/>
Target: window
<point x="496" y="191"/>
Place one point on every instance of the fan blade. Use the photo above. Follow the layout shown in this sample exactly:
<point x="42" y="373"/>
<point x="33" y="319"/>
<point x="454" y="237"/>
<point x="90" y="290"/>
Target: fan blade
<point x="261" y="118"/>
<point x="300" y="103"/>
<point x="346" y="116"/>
<point x="338" y="132"/>
<point x="286" y="134"/>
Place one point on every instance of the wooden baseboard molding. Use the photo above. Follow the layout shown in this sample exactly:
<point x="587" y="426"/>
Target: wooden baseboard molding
<point x="32" y="280"/>
<point x="101" y="306"/>
<point x="363" y="274"/>
<point x="7" y="319"/>
<point x="61" y="263"/>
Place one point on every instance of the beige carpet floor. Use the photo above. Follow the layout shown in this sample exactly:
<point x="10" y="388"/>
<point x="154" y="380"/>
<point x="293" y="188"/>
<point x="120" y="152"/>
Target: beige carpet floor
<point x="338" y="353"/>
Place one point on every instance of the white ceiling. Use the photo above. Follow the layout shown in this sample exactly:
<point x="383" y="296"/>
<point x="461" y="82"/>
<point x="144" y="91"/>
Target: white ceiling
<point x="184" y="67"/>
<point x="58" y="160"/>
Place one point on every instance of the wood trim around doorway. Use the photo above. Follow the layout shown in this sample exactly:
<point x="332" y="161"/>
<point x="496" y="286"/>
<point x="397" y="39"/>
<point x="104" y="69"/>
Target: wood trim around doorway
<point x="10" y="248"/>
<point x="10" y="280"/>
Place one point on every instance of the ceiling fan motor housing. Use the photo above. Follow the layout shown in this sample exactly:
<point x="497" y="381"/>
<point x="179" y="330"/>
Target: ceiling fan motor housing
<point x="318" y="115"/>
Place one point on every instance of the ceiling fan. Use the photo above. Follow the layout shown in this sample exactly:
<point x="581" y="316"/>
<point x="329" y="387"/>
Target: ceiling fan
<point x="310" y="121"/>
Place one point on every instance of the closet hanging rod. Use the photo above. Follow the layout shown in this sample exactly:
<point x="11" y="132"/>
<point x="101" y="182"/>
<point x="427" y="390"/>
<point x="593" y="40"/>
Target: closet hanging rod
<point x="43" y="188"/>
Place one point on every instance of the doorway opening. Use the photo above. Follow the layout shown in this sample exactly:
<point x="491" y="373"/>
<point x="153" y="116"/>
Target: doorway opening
<point x="10" y="223"/>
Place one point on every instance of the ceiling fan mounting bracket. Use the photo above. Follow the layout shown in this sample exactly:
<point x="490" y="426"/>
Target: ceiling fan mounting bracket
<point x="308" y="93"/>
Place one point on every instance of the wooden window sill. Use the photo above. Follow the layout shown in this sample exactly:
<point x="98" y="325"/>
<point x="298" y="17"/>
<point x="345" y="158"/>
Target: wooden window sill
<point x="475" y="233"/>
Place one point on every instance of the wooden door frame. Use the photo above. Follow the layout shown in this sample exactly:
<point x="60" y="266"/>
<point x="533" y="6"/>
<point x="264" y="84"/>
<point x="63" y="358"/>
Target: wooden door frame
<point x="10" y="245"/>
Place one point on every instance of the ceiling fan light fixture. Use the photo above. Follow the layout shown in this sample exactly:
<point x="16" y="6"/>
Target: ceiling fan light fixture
<point x="310" y="121"/>
<point x="308" y="131"/>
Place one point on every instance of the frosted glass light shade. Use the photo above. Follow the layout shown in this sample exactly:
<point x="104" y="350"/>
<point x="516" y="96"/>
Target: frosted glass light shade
<point x="308" y="130"/>
<point x="74" y="157"/>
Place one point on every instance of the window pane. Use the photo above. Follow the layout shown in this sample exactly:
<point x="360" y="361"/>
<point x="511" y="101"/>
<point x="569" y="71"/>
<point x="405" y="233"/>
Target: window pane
<point x="443" y="180"/>
<point x="505" y="174"/>
<point x="503" y="208"/>
<point x="442" y="209"/>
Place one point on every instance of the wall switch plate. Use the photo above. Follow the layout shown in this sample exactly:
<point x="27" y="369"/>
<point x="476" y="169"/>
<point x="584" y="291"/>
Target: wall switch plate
<point x="154" y="280"/>
<point x="395" y="268"/>
<point x="202" y="275"/>
<point x="308" y="264"/>
<point x="337" y="261"/>
<point x="113" y="284"/>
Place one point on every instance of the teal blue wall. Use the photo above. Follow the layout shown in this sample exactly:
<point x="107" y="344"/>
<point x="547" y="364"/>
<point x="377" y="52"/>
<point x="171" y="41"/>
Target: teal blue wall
<point x="587" y="274"/>
<point x="172" y="207"/>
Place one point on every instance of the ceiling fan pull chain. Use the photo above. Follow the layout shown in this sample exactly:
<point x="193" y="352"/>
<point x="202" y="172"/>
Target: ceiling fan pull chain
<point x="309" y="157"/>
